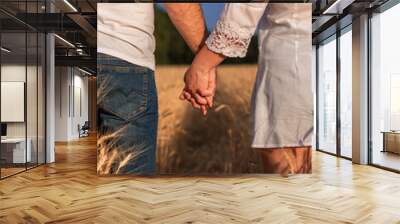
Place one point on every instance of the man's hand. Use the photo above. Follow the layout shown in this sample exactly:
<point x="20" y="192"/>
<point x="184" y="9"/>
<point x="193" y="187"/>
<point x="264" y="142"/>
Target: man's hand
<point x="200" y="85"/>
<point x="200" y="79"/>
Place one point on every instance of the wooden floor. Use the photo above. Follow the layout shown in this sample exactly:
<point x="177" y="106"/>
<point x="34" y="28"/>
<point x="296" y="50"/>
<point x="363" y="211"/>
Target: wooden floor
<point x="70" y="192"/>
<point x="10" y="171"/>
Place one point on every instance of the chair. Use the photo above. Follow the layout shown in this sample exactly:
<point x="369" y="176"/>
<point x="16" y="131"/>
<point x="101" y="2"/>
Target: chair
<point x="84" y="130"/>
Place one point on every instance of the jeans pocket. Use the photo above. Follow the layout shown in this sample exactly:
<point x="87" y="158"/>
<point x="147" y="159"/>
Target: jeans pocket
<point x="122" y="91"/>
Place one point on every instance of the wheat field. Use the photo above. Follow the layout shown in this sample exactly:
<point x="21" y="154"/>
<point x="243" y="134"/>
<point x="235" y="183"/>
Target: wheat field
<point x="219" y="143"/>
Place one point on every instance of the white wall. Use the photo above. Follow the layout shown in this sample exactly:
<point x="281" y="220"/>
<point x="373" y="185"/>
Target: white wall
<point x="61" y="103"/>
<point x="79" y="117"/>
<point x="70" y="83"/>
<point x="33" y="127"/>
<point x="14" y="73"/>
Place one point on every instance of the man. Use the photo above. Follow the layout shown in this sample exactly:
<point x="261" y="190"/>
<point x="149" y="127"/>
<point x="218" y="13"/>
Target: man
<point x="127" y="96"/>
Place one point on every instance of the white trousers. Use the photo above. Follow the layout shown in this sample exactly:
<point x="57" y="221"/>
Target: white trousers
<point x="282" y="101"/>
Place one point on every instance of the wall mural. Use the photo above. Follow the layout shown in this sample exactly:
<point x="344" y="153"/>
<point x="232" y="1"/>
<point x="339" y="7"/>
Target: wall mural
<point x="244" y="116"/>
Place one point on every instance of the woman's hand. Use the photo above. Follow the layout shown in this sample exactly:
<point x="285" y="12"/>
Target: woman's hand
<point x="200" y="79"/>
<point x="200" y="84"/>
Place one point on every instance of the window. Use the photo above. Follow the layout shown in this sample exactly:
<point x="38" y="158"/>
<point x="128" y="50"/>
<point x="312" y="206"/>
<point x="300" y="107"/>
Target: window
<point x="346" y="75"/>
<point x="22" y="102"/>
<point x="327" y="96"/>
<point x="394" y="102"/>
<point x="385" y="88"/>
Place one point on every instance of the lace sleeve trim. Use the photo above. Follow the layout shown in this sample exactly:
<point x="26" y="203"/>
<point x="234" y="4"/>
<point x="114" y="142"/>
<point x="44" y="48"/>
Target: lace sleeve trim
<point x="229" y="39"/>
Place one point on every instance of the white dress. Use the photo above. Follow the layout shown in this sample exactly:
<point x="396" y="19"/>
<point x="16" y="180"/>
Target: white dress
<point x="282" y="101"/>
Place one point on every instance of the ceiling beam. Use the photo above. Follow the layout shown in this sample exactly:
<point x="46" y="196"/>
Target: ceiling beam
<point x="86" y="27"/>
<point x="77" y="61"/>
<point x="337" y="7"/>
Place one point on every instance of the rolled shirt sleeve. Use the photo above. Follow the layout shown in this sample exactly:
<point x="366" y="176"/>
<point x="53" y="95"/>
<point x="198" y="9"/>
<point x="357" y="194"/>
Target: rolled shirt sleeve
<point x="235" y="27"/>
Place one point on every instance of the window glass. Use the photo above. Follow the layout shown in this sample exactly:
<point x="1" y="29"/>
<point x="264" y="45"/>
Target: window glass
<point x="14" y="153"/>
<point x="327" y="96"/>
<point x="346" y="94"/>
<point x="385" y="87"/>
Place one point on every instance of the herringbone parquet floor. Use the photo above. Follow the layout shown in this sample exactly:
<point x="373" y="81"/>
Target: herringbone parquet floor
<point x="70" y="192"/>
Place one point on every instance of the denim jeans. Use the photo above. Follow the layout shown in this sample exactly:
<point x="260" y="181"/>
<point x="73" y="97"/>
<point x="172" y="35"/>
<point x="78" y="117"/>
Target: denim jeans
<point x="127" y="117"/>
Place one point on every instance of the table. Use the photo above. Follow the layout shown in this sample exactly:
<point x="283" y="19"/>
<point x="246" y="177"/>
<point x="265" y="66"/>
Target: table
<point x="13" y="150"/>
<point x="391" y="141"/>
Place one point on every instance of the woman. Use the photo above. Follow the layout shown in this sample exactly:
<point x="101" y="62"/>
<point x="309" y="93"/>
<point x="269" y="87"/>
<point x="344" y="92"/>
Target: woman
<point x="282" y="103"/>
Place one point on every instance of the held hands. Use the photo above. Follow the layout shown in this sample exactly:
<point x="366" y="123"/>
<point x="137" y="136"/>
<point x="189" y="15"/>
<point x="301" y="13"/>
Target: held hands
<point x="200" y="85"/>
<point x="201" y="79"/>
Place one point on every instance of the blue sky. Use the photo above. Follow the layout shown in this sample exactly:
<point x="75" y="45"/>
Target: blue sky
<point x="211" y="12"/>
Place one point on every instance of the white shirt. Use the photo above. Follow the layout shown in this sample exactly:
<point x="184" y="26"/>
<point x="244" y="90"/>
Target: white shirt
<point x="125" y="31"/>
